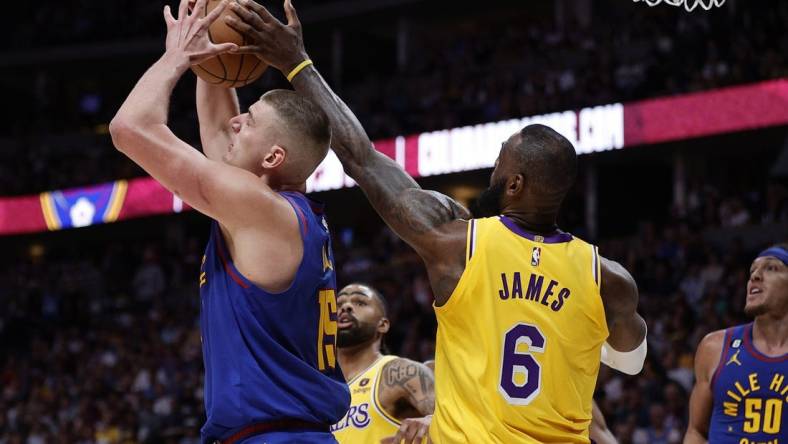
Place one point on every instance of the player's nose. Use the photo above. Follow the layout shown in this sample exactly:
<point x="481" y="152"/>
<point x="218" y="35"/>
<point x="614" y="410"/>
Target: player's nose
<point x="345" y="307"/>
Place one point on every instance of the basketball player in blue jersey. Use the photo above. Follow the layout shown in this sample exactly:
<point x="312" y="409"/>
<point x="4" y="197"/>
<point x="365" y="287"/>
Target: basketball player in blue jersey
<point x="741" y="387"/>
<point x="267" y="284"/>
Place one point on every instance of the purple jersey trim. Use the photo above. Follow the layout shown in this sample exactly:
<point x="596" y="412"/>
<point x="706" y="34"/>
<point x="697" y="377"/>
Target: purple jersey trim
<point x="299" y="214"/>
<point x="726" y="344"/>
<point x="229" y="268"/>
<point x="557" y="237"/>
<point x="748" y="344"/>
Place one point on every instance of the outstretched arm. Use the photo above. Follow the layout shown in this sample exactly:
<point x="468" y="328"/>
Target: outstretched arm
<point x="417" y="216"/>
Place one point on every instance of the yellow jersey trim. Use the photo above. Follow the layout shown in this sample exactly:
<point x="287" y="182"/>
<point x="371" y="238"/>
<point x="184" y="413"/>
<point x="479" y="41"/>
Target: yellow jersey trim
<point x="376" y="402"/>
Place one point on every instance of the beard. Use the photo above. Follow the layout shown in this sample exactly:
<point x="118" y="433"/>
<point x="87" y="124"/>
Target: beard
<point x="755" y="310"/>
<point x="488" y="203"/>
<point x="359" y="333"/>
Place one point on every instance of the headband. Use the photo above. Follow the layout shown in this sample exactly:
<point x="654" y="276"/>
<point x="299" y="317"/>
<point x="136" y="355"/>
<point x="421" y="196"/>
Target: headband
<point x="776" y="252"/>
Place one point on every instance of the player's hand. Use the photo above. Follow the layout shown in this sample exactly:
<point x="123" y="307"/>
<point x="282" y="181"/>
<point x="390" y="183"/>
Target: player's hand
<point x="411" y="431"/>
<point x="187" y="36"/>
<point x="275" y="43"/>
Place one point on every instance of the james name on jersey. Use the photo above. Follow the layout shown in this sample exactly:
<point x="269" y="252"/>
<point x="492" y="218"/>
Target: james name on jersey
<point x="552" y="295"/>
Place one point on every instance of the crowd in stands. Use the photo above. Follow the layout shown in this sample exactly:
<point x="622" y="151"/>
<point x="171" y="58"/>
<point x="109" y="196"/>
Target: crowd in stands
<point x="458" y="71"/>
<point x="103" y="346"/>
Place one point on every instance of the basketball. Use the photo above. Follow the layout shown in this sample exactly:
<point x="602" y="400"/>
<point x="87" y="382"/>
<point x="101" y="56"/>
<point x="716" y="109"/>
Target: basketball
<point x="228" y="70"/>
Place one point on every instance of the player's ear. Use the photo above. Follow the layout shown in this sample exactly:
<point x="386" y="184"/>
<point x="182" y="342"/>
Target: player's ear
<point x="383" y="326"/>
<point x="275" y="157"/>
<point x="515" y="184"/>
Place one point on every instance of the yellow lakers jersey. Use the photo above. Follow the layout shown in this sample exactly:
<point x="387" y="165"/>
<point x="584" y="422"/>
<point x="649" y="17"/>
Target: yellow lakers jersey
<point x="519" y="340"/>
<point x="366" y="421"/>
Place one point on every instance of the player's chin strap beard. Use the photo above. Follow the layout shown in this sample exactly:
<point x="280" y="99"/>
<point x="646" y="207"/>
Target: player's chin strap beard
<point x="356" y="335"/>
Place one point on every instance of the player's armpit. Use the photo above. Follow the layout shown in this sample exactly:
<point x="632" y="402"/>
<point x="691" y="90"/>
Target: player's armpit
<point x="407" y="388"/>
<point x="701" y="399"/>
<point x="231" y="195"/>
<point x="620" y="297"/>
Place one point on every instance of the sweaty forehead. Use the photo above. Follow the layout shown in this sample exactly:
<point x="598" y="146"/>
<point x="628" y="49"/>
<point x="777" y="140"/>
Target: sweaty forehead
<point x="357" y="290"/>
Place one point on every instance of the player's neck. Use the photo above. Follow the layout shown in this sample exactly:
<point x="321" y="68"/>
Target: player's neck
<point x="355" y="360"/>
<point x="770" y="335"/>
<point x="279" y="185"/>
<point x="533" y="222"/>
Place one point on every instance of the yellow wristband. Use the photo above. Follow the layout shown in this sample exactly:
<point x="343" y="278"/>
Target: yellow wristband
<point x="298" y="69"/>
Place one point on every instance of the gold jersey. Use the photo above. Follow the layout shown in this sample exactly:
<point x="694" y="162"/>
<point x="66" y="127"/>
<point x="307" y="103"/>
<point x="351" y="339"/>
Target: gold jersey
<point x="366" y="421"/>
<point x="519" y="340"/>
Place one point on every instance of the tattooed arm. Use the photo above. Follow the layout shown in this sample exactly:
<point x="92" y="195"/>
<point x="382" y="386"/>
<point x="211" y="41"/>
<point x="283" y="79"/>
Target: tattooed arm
<point x="407" y="389"/>
<point x="430" y="222"/>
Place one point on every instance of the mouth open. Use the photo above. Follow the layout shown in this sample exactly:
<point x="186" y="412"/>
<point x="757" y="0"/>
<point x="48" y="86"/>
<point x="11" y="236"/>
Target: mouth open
<point x="345" y="322"/>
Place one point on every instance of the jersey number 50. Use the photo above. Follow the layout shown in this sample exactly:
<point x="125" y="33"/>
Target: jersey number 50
<point x="521" y="374"/>
<point x="327" y="331"/>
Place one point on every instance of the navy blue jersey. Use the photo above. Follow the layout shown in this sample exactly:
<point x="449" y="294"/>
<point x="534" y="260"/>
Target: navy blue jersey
<point x="750" y="391"/>
<point x="271" y="356"/>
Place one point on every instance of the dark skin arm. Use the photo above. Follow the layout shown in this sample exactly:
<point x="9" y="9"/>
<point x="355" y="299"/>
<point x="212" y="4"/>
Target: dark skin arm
<point x="407" y="391"/>
<point x="620" y="297"/>
<point x="432" y="223"/>
<point x="701" y="400"/>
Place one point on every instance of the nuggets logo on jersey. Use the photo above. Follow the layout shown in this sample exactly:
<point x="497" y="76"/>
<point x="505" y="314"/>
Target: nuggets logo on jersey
<point x="750" y="393"/>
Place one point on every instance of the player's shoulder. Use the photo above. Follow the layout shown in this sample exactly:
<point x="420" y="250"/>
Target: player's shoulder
<point x="712" y="340"/>
<point x="397" y="363"/>
<point x="398" y="370"/>
<point x="709" y="350"/>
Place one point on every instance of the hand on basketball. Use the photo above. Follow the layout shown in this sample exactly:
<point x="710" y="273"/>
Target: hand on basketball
<point x="275" y="43"/>
<point x="411" y="431"/>
<point x="187" y="36"/>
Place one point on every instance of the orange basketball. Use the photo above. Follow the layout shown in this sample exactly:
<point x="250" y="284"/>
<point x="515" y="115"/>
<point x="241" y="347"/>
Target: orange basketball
<point x="228" y="70"/>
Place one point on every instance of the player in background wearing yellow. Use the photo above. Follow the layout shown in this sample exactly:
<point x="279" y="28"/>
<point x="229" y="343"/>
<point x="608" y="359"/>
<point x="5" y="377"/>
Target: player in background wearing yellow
<point x="741" y="373"/>
<point x="392" y="398"/>
<point x="523" y="308"/>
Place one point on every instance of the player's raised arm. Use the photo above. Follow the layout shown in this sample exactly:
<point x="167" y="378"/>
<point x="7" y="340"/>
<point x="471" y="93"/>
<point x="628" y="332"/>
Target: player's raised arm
<point x="216" y="106"/>
<point x="140" y="130"/>
<point x="419" y="217"/>
<point x="625" y="349"/>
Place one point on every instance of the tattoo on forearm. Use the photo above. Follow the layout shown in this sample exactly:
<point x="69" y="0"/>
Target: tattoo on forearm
<point x="415" y="380"/>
